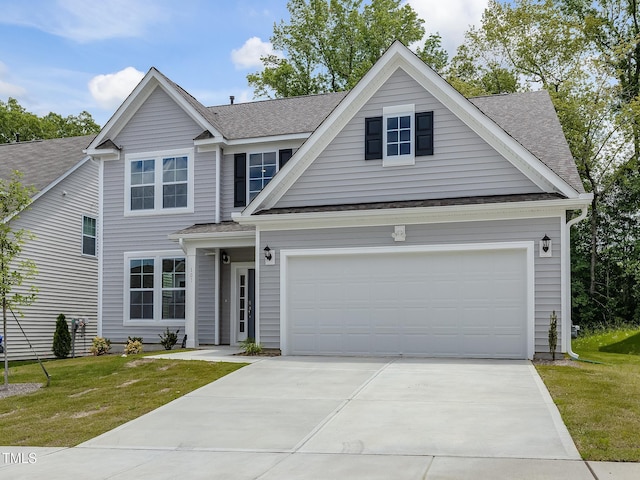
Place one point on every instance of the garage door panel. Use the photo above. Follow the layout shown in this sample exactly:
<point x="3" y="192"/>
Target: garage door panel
<point x="470" y="303"/>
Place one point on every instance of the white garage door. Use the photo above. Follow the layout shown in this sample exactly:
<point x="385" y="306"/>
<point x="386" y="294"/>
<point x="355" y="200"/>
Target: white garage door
<point x="453" y="304"/>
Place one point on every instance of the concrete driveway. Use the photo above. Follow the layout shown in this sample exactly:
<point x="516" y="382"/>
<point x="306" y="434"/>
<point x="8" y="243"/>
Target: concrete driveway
<point x="315" y="418"/>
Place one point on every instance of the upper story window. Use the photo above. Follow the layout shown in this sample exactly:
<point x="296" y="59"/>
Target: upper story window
<point x="399" y="136"/>
<point x="251" y="173"/>
<point x="262" y="168"/>
<point x="159" y="182"/>
<point x="89" y="231"/>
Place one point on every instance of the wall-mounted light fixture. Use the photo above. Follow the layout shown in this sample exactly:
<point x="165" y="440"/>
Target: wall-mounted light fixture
<point x="545" y="246"/>
<point x="269" y="256"/>
<point x="226" y="259"/>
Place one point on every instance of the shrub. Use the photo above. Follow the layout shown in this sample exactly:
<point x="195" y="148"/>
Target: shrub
<point x="61" y="338"/>
<point x="250" y="347"/>
<point x="100" y="346"/>
<point x="132" y="347"/>
<point x="169" y="339"/>
<point x="553" y="334"/>
<point x="134" y="339"/>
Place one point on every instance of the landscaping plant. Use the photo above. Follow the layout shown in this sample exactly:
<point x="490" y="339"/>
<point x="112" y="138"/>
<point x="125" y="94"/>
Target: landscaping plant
<point x="100" y="346"/>
<point x="132" y="347"/>
<point x="553" y="334"/>
<point x="250" y="347"/>
<point x="61" y="338"/>
<point x="168" y="339"/>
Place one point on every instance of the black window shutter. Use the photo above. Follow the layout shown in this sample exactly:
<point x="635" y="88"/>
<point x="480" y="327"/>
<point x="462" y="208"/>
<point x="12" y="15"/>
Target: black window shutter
<point x="240" y="180"/>
<point x="373" y="138"/>
<point x="285" y="155"/>
<point x="424" y="133"/>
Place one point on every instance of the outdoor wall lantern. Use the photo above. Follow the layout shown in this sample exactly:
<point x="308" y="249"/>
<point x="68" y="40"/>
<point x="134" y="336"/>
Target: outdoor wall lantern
<point x="226" y="259"/>
<point x="545" y="246"/>
<point x="269" y="257"/>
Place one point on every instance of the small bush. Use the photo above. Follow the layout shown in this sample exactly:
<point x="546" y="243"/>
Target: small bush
<point x="132" y="347"/>
<point x="250" y="347"/>
<point x="553" y="334"/>
<point x="100" y="346"/>
<point x="134" y="339"/>
<point x="61" y="338"/>
<point x="169" y="339"/>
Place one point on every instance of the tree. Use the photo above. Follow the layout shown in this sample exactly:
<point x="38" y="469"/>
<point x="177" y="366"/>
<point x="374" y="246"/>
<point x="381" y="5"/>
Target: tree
<point x="330" y="44"/>
<point x="61" y="338"/>
<point x="14" y="198"/>
<point x="16" y="121"/>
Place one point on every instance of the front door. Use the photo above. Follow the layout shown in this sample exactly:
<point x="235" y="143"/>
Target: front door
<point x="245" y="300"/>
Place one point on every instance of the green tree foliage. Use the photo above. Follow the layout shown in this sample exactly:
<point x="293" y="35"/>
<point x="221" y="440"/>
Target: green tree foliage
<point x="14" y="198"/>
<point x="586" y="55"/>
<point x="61" y="338"/>
<point x="15" y="121"/>
<point x="329" y="45"/>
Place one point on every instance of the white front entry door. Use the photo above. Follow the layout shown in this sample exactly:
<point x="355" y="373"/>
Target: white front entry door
<point x="244" y="300"/>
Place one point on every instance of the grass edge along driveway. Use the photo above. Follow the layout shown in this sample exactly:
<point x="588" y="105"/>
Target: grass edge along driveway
<point x="600" y="403"/>
<point x="92" y="395"/>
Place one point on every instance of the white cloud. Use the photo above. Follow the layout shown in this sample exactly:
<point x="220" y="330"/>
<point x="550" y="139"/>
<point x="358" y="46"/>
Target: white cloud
<point x="8" y="89"/>
<point x="451" y="18"/>
<point x="86" y="21"/>
<point x="249" y="54"/>
<point x="111" y="89"/>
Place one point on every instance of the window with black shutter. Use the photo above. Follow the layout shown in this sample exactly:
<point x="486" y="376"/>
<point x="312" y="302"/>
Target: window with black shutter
<point x="373" y="138"/>
<point x="240" y="179"/>
<point x="424" y="134"/>
<point x="285" y="155"/>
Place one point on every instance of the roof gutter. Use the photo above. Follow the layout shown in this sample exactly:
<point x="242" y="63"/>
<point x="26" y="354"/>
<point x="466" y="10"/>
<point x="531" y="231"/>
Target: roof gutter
<point x="569" y="224"/>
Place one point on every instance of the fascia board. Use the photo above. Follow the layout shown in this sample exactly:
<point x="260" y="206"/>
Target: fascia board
<point x="241" y="142"/>
<point x="208" y="235"/>
<point x="415" y="215"/>
<point x="134" y="101"/>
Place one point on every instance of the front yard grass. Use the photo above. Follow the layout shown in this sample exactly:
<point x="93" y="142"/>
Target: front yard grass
<point x="600" y="403"/>
<point x="91" y="395"/>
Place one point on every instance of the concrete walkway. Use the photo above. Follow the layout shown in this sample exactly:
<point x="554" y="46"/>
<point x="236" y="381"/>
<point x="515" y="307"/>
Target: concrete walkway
<point x="334" y="418"/>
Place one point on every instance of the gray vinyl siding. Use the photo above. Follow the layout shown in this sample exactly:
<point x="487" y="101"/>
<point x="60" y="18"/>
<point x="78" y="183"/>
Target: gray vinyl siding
<point x="159" y="124"/>
<point x="205" y="299"/>
<point x="67" y="280"/>
<point x="462" y="165"/>
<point x="547" y="270"/>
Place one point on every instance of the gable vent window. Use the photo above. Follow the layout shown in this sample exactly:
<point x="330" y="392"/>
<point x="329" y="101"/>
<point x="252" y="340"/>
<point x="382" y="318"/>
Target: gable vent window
<point x="399" y="136"/>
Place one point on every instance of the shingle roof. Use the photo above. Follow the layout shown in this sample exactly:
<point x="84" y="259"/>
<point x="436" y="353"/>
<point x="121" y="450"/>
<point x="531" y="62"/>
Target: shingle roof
<point x="531" y="119"/>
<point x="42" y="161"/>
<point x="440" y="202"/>
<point x="222" y="227"/>
<point x="275" y="117"/>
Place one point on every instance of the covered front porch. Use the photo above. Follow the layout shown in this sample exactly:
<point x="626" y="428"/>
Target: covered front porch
<point x="220" y="283"/>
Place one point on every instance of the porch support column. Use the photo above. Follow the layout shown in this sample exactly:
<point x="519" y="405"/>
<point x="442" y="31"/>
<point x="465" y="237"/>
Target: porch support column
<point x="216" y="314"/>
<point x="190" y="328"/>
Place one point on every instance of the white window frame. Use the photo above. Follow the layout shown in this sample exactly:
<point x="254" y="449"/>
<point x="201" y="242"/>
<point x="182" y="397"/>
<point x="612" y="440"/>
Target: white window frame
<point x="95" y="237"/>
<point x="157" y="257"/>
<point x="398" y="111"/>
<point x="261" y="152"/>
<point x="158" y="157"/>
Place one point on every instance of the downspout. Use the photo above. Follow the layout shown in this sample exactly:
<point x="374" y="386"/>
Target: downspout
<point x="569" y="224"/>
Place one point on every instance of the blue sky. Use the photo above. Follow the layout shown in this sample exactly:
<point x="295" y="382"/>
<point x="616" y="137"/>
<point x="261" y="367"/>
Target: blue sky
<point x="67" y="56"/>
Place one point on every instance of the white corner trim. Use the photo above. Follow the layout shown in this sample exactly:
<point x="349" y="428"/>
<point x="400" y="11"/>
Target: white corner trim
<point x="527" y="246"/>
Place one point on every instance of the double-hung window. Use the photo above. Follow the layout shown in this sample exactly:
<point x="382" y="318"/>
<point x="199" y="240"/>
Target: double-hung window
<point x="89" y="230"/>
<point x="160" y="182"/>
<point x="262" y="168"/>
<point x="156" y="287"/>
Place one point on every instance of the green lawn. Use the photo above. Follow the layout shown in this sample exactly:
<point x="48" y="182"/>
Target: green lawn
<point x="91" y="395"/>
<point x="600" y="403"/>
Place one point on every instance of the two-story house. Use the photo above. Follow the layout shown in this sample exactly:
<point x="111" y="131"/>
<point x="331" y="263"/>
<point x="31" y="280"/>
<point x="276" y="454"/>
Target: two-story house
<point x="399" y="218"/>
<point x="63" y="222"/>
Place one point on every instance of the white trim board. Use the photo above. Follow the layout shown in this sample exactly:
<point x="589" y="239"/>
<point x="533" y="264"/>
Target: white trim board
<point x="528" y="247"/>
